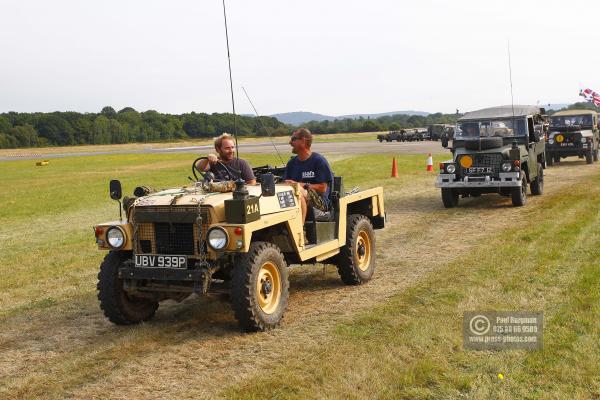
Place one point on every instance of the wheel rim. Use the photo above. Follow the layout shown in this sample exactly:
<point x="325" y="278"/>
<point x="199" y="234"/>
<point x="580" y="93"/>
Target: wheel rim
<point x="268" y="287"/>
<point x="363" y="251"/>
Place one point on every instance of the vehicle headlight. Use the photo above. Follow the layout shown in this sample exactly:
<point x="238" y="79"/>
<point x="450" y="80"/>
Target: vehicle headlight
<point x="506" y="167"/>
<point x="217" y="238"/>
<point x="551" y="141"/>
<point x="115" y="237"/>
<point x="450" y="168"/>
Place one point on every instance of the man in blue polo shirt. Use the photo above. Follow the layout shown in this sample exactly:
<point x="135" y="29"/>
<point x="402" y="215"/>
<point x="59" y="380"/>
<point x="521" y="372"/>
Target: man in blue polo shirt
<point x="312" y="170"/>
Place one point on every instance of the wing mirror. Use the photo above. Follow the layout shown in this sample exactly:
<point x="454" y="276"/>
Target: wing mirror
<point x="115" y="189"/>
<point x="444" y="140"/>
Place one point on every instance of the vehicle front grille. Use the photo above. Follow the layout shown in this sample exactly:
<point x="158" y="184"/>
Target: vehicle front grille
<point x="485" y="160"/>
<point x="170" y="230"/>
<point x="174" y="238"/>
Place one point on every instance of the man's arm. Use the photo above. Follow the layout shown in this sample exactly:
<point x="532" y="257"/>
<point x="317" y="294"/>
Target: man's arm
<point x="247" y="173"/>
<point x="204" y="164"/>
<point x="317" y="187"/>
<point x="323" y="176"/>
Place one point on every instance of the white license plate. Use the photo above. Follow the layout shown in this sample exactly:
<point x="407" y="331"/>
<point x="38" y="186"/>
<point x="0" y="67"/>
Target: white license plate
<point x="480" y="170"/>
<point x="160" y="261"/>
<point x="567" y="144"/>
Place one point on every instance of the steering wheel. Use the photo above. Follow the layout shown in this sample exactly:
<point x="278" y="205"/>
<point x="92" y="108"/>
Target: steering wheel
<point x="207" y="175"/>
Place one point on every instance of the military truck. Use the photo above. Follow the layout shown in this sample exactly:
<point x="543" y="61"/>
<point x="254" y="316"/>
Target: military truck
<point x="398" y="136"/>
<point x="229" y="238"/>
<point x="436" y="131"/>
<point x="495" y="150"/>
<point x="573" y="133"/>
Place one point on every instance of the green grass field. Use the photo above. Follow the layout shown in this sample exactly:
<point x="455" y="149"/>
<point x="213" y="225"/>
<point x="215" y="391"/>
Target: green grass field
<point x="396" y="337"/>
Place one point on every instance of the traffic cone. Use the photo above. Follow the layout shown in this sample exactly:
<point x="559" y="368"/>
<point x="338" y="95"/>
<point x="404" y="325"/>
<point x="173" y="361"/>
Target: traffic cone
<point x="429" y="163"/>
<point x="394" y="168"/>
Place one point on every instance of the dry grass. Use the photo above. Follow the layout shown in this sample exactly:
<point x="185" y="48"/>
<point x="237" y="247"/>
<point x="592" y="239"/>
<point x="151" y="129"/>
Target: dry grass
<point x="56" y="344"/>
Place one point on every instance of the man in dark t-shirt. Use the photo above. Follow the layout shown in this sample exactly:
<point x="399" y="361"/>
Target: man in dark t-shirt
<point x="312" y="170"/>
<point x="226" y="166"/>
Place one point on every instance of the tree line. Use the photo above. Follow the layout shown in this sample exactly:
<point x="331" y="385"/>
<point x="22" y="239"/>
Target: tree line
<point x="126" y="125"/>
<point x="385" y="123"/>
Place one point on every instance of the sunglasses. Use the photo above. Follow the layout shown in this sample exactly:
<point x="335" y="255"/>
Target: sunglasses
<point x="294" y="138"/>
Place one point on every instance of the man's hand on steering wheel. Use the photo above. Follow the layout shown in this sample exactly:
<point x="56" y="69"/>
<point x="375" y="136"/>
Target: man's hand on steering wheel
<point x="203" y="174"/>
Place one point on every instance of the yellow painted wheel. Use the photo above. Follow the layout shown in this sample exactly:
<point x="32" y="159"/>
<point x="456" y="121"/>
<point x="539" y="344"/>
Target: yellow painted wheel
<point x="260" y="287"/>
<point x="363" y="251"/>
<point x="268" y="287"/>
<point x="356" y="260"/>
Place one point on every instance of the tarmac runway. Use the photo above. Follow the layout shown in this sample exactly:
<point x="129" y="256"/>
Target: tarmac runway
<point x="361" y="147"/>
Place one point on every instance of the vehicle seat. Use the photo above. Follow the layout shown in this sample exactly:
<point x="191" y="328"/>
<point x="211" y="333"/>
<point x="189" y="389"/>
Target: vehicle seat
<point x="323" y="221"/>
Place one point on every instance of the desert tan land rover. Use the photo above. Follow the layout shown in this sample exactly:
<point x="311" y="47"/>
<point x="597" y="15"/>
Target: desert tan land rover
<point x="228" y="236"/>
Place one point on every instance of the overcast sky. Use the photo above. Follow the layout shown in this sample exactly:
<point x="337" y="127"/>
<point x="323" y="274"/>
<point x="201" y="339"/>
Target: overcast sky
<point x="331" y="57"/>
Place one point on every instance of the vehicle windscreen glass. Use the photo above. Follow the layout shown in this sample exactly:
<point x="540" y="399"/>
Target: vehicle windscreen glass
<point x="490" y="128"/>
<point x="584" y="120"/>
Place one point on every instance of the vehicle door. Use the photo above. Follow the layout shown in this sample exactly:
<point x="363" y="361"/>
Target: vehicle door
<point x="535" y="147"/>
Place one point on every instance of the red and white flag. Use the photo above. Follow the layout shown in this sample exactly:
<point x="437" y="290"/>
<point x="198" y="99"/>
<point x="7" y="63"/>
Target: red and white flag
<point x="591" y="96"/>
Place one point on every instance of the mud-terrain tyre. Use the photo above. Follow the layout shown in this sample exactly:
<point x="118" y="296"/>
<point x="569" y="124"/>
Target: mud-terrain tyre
<point x="556" y="159"/>
<point x="118" y="306"/>
<point x="519" y="194"/>
<point x="449" y="197"/>
<point x="537" y="185"/>
<point x="380" y="140"/>
<point x="549" y="161"/>
<point x="356" y="260"/>
<point x="260" y="287"/>
<point x="486" y="143"/>
<point x="589" y="157"/>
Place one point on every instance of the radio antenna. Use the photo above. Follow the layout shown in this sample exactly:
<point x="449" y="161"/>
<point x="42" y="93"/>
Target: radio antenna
<point x="231" y="83"/>
<point x="512" y="101"/>
<point x="263" y="125"/>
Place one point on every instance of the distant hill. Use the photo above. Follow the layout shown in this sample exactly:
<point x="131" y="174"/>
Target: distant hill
<point x="300" y="117"/>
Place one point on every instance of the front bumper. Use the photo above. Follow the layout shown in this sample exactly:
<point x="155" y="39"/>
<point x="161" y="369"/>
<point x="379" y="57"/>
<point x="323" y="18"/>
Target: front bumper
<point x="569" y="150"/>
<point x="160" y="274"/>
<point x="505" y="179"/>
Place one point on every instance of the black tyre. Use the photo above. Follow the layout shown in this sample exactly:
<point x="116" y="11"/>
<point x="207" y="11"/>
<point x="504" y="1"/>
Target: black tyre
<point x="589" y="157"/>
<point x="449" y="197"/>
<point x="556" y="159"/>
<point x="260" y="287"/>
<point x="519" y="194"/>
<point x="549" y="160"/>
<point x="118" y="306"/>
<point x="356" y="260"/>
<point x="537" y="185"/>
<point x="380" y="140"/>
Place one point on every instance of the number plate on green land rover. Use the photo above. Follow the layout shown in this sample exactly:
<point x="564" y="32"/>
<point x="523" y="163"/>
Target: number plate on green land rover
<point x="160" y="261"/>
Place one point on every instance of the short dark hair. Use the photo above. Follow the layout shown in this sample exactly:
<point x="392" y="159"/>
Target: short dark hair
<point x="305" y="134"/>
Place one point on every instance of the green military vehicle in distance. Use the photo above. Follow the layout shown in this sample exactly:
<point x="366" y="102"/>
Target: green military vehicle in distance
<point x="404" y="135"/>
<point x="573" y="133"/>
<point x="436" y="131"/>
<point x="495" y="150"/>
<point x="232" y="239"/>
<point x="391" y="136"/>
